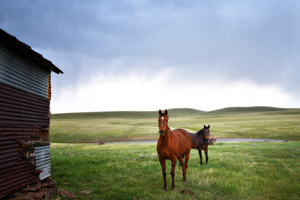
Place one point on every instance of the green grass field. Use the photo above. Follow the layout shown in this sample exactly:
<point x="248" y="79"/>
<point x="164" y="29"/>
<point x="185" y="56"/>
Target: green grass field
<point x="264" y="170"/>
<point x="260" y="170"/>
<point x="255" y="122"/>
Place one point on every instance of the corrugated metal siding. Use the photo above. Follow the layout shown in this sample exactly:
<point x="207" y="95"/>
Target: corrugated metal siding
<point x="20" y="73"/>
<point x="15" y="172"/>
<point x="22" y="114"/>
<point x="42" y="161"/>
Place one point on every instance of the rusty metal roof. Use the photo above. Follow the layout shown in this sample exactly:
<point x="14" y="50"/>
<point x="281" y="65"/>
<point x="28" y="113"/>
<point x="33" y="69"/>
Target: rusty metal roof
<point x="16" y="45"/>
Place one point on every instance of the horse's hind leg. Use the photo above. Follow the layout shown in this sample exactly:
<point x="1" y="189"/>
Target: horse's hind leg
<point x="182" y="159"/>
<point x="183" y="167"/>
<point x="163" y="165"/>
<point x="185" y="164"/>
<point x="187" y="157"/>
<point x="173" y="172"/>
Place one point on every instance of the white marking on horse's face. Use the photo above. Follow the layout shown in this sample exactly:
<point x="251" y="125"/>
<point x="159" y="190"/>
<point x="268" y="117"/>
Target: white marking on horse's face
<point x="162" y="120"/>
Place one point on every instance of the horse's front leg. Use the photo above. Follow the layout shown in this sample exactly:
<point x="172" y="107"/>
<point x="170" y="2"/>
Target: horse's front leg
<point x="163" y="166"/>
<point x="173" y="171"/>
<point x="200" y="155"/>
<point x="206" y="155"/>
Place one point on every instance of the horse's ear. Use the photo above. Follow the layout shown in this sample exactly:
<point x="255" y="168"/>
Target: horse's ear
<point x="204" y="126"/>
<point x="208" y="126"/>
<point x="159" y="112"/>
<point x="166" y="112"/>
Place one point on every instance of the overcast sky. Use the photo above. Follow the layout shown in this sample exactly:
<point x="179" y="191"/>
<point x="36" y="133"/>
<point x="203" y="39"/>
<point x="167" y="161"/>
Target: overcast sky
<point x="143" y="55"/>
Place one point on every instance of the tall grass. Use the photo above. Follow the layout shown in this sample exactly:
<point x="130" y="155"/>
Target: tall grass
<point x="128" y="171"/>
<point x="255" y="122"/>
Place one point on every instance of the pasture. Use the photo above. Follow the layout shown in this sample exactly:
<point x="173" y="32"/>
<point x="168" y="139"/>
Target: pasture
<point x="255" y="122"/>
<point x="247" y="170"/>
<point x="264" y="170"/>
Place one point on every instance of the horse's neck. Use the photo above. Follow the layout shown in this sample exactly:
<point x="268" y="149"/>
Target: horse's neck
<point x="193" y="139"/>
<point x="200" y="136"/>
<point x="165" y="139"/>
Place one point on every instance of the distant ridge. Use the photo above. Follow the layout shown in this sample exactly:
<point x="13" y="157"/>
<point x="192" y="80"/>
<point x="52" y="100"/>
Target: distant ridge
<point x="248" y="109"/>
<point x="185" y="111"/>
<point x="177" y="112"/>
<point x="236" y="110"/>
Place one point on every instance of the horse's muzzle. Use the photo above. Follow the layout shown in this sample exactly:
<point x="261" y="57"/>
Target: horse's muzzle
<point x="162" y="132"/>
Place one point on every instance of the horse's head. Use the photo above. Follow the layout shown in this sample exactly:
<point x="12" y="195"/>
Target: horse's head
<point x="206" y="132"/>
<point x="163" y="122"/>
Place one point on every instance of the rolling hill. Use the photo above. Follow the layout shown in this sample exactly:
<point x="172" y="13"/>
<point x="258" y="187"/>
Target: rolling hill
<point x="255" y="122"/>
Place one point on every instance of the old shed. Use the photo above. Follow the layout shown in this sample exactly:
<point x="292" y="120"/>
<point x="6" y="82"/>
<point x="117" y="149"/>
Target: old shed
<point x="25" y="94"/>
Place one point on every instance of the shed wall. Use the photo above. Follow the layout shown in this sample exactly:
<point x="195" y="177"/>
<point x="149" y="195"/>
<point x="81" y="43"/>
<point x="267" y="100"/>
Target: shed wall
<point x="25" y="93"/>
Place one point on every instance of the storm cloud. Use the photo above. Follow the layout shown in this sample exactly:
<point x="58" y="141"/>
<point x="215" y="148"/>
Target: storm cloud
<point x="222" y="53"/>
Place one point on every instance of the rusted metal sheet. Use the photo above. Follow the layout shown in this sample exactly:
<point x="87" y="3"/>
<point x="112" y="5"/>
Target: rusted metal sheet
<point x="8" y="151"/>
<point x="22" y="114"/>
<point x="42" y="161"/>
<point x="22" y="74"/>
<point x="23" y="117"/>
<point x="15" y="172"/>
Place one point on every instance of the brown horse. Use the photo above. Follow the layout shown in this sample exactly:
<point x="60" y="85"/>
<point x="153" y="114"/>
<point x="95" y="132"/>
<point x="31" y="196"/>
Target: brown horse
<point x="200" y="141"/>
<point x="171" y="145"/>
